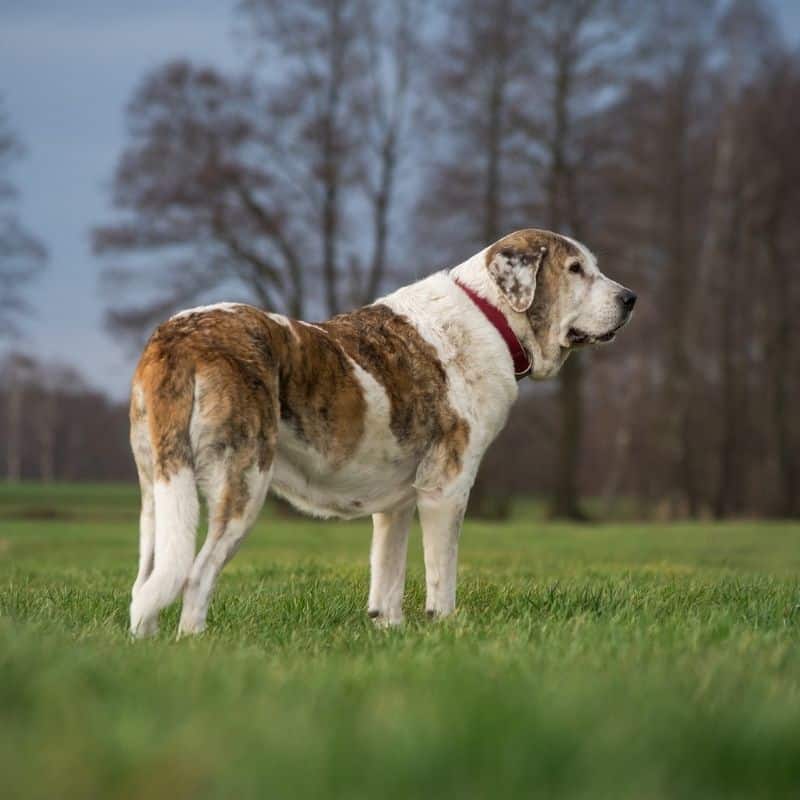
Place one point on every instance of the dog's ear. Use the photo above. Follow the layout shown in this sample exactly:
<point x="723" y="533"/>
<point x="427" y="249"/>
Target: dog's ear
<point x="515" y="272"/>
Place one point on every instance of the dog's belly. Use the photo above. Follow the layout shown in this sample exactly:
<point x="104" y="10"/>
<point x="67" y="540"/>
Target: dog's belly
<point x="377" y="478"/>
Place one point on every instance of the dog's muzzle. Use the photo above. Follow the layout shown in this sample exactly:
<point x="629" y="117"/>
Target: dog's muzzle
<point x="627" y="300"/>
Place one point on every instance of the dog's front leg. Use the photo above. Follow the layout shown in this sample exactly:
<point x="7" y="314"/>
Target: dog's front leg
<point x="441" y="518"/>
<point x="388" y="565"/>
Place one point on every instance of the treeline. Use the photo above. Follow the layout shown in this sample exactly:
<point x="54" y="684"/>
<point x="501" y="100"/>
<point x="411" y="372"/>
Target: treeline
<point x="55" y="427"/>
<point x="368" y="142"/>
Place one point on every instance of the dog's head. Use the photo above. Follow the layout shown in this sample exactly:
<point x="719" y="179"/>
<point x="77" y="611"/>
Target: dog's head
<point x="555" y="282"/>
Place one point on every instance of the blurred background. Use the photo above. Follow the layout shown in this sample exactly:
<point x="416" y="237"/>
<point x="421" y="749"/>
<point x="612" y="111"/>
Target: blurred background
<point x="309" y="156"/>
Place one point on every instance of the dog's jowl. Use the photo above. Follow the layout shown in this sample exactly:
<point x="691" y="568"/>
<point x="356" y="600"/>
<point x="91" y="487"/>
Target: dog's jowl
<point x="380" y="411"/>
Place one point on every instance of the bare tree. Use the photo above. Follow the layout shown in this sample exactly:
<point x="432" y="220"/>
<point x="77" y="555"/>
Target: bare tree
<point x="344" y="99"/>
<point x="54" y="427"/>
<point x="746" y="34"/>
<point x="652" y="194"/>
<point x="474" y="185"/>
<point x="198" y="184"/>
<point x="22" y="255"/>
<point x="323" y="64"/>
<point x="252" y="179"/>
<point x="776" y="167"/>
<point x="49" y="384"/>
<point x="391" y="40"/>
<point x="581" y="45"/>
<point x="16" y="373"/>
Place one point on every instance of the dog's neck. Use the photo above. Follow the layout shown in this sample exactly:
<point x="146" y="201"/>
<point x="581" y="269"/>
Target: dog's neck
<point x="519" y="355"/>
<point x="473" y="273"/>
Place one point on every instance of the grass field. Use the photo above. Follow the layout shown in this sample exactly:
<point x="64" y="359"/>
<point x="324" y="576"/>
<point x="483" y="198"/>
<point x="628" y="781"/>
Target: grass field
<point x="606" y="661"/>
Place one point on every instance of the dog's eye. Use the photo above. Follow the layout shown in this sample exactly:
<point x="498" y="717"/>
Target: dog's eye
<point x="575" y="268"/>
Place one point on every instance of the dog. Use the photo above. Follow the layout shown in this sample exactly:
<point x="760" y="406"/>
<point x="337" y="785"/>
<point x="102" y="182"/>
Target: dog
<point x="375" y="412"/>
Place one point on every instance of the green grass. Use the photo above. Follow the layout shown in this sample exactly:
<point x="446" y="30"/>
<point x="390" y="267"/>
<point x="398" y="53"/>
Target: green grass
<point x="606" y="661"/>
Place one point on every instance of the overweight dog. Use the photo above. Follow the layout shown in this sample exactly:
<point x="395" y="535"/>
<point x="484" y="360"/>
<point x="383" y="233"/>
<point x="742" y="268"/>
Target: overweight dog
<point x="379" y="411"/>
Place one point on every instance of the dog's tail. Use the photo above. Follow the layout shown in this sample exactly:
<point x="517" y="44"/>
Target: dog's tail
<point x="166" y="397"/>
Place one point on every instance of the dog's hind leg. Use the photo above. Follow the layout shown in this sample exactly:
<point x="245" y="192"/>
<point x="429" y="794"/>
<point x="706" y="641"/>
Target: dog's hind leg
<point x="147" y="537"/>
<point x="388" y="565"/>
<point x="143" y="455"/>
<point x="232" y="512"/>
<point x="161" y="412"/>
<point x="235" y="447"/>
<point x="176" y="517"/>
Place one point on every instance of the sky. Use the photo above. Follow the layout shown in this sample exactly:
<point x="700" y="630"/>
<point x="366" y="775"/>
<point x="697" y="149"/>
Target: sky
<point x="67" y="71"/>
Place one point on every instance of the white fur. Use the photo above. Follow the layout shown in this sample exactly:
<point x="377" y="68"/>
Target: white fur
<point x="599" y="308"/>
<point x="229" y="307"/>
<point x="441" y="528"/>
<point x="593" y="306"/>
<point x="281" y="320"/>
<point x="140" y="444"/>
<point x="147" y="539"/>
<point x="388" y="565"/>
<point x="176" y="517"/>
<point x="312" y="325"/>
<point x="587" y="256"/>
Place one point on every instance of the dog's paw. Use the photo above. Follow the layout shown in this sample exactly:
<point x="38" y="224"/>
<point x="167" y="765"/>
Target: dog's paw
<point x="190" y="631"/>
<point x="435" y="614"/>
<point x="381" y="620"/>
<point x="144" y="629"/>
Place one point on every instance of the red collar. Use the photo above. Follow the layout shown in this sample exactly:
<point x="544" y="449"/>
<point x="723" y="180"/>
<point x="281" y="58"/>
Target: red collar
<point x="522" y="361"/>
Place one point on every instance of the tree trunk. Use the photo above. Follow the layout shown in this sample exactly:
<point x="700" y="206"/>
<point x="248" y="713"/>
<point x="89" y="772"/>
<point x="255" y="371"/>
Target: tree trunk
<point x="780" y="369"/>
<point x="485" y="502"/>
<point x="331" y="156"/>
<point x="46" y="433"/>
<point x="381" y="206"/>
<point x="724" y="500"/>
<point x="565" y="501"/>
<point x="729" y="498"/>
<point x="329" y="227"/>
<point x="566" y="495"/>
<point x="678" y="290"/>
<point x="713" y="257"/>
<point x="14" y="433"/>
<point x="491" y="205"/>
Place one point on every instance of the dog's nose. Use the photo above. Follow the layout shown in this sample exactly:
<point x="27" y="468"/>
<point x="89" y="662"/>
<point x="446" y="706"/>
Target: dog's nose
<point x="627" y="300"/>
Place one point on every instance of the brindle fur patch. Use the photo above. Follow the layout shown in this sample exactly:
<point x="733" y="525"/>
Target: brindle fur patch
<point x="390" y="348"/>
<point x="249" y="366"/>
<point x="237" y="371"/>
<point x="166" y="383"/>
<point x="320" y="396"/>
<point x="233" y="400"/>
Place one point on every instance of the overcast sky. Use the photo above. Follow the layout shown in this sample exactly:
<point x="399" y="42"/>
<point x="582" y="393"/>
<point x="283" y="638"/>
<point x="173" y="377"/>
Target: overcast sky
<point x="66" y="71"/>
